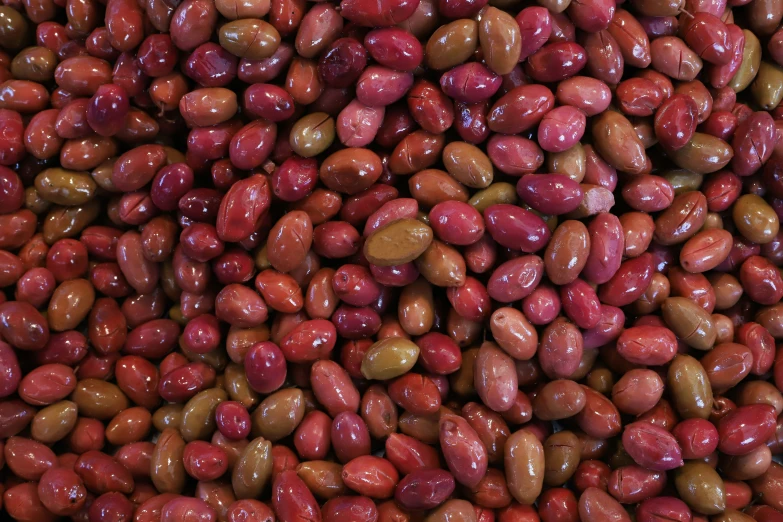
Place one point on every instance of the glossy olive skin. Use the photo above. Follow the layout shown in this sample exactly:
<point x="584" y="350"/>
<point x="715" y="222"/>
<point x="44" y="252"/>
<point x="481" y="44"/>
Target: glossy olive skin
<point x="391" y="260"/>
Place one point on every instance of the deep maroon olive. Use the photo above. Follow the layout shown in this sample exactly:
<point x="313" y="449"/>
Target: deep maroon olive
<point x="295" y="178"/>
<point x="232" y="420"/>
<point x="342" y="63"/>
<point x="157" y="55"/>
<point x="111" y="506"/>
<point x="210" y="65"/>
<point x="265" y="367"/>
<point x="107" y="110"/>
<point x="170" y="184"/>
<point x="202" y="334"/>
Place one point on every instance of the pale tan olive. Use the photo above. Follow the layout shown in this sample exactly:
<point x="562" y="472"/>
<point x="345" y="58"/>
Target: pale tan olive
<point x="198" y="415"/>
<point x="690" y="388"/>
<point x="99" y="399"/>
<point x="442" y="265"/>
<point x="35" y="64"/>
<point x="751" y="61"/>
<point x="253" y="470"/>
<point x="322" y="477"/>
<point x="173" y="155"/>
<point x="452" y="44"/>
<point x="713" y="220"/>
<point x="559" y="399"/>
<point x="561" y="457"/>
<point x="461" y="381"/>
<point x="615" y="139"/>
<point x="54" y="422"/>
<point x="63" y="222"/>
<point x="261" y="259"/>
<point x="692" y="323"/>
<point x="652" y="298"/>
<point x="238" y="388"/>
<point x="249" y="38"/>
<point x="397" y="243"/>
<point x="703" y="154"/>
<point x="468" y="164"/>
<point x="389" y="358"/>
<point x="167" y="416"/>
<point x="501" y="40"/>
<point x="755" y="219"/>
<point x="554" y="6"/>
<point x="167" y="469"/>
<point x="567" y="252"/>
<point x="432" y="186"/>
<point x="683" y="180"/>
<point x="423" y="22"/>
<point x="279" y="414"/>
<point x="70" y="304"/>
<point x="128" y="426"/>
<point x="233" y="9"/>
<point x="34" y="202"/>
<point x="312" y="134"/>
<point x="571" y="163"/>
<point x="525" y="466"/>
<point x="767" y="88"/>
<point x="102" y="175"/>
<point x="416" y="308"/>
<point x="700" y="486"/>
<point x="500" y="192"/>
<point x="13" y="28"/>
